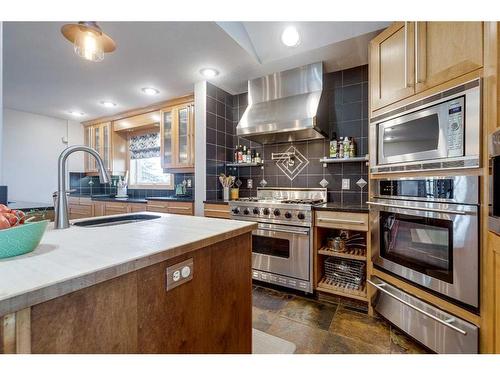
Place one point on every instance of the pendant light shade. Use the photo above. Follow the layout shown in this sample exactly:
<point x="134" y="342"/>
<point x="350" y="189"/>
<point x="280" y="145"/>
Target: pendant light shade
<point x="89" y="42"/>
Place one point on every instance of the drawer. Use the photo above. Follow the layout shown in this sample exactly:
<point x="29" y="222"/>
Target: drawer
<point x="435" y="328"/>
<point x="157" y="206"/>
<point x="115" y="208"/>
<point x="86" y="201"/>
<point x="342" y="220"/>
<point x="217" y="210"/>
<point x="73" y="200"/>
<point x="79" y="209"/>
<point x="136" y="207"/>
<point x="180" y="208"/>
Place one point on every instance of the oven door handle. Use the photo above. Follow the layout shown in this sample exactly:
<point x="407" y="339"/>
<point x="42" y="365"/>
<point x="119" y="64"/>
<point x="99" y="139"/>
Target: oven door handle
<point x="429" y="315"/>
<point x="455" y="212"/>
<point x="304" y="233"/>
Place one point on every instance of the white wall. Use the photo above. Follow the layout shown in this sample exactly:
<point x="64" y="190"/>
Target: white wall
<point x="31" y="146"/>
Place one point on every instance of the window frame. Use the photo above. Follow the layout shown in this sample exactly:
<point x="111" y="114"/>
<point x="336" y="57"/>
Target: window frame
<point x="143" y="131"/>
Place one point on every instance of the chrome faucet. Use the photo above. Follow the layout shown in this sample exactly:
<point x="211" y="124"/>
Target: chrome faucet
<point x="61" y="218"/>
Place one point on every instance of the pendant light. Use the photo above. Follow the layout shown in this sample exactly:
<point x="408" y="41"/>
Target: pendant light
<point x="90" y="43"/>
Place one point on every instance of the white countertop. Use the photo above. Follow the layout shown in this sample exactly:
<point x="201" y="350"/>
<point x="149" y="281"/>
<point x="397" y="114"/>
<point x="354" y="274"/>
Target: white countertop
<point x="70" y="259"/>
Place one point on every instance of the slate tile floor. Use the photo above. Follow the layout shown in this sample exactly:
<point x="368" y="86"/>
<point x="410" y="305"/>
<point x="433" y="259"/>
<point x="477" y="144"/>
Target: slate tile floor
<point x="316" y="327"/>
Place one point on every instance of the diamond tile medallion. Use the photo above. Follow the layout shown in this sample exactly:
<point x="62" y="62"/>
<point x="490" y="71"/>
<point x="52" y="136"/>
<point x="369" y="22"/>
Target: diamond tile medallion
<point x="292" y="170"/>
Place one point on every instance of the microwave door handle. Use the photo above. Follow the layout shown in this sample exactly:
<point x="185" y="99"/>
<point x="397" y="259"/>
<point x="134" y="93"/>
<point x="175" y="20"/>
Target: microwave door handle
<point x="443" y="322"/>
<point x="454" y="212"/>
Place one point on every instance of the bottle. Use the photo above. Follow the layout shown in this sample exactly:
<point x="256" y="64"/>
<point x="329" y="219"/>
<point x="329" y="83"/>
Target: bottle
<point x="249" y="155"/>
<point x="236" y="153"/>
<point x="333" y="148"/>
<point x="240" y="154"/>
<point x="347" y="146"/>
<point x="341" y="148"/>
<point x="352" y="149"/>
<point x="244" y="155"/>
<point x="257" y="158"/>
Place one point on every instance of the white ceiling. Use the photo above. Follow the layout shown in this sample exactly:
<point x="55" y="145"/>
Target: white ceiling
<point x="41" y="74"/>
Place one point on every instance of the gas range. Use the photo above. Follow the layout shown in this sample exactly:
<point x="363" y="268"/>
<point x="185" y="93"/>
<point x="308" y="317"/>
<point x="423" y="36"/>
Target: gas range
<point x="282" y="244"/>
<point x="287" y="206"/>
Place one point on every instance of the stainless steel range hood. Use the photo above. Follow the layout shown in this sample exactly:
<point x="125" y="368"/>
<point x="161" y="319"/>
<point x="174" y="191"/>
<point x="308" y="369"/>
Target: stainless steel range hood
<point x="286" y="106"/>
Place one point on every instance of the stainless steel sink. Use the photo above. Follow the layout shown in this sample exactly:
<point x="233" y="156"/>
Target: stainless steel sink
<point x="118" y="220"/>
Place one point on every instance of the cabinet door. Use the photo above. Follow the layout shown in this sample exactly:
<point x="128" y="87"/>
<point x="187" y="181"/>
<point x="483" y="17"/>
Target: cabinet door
<point x="392" y="65"/>
<point x="184" y="147"/>
<point x="446" y="50"/>
<point x="89" y="141"/>
<point x="167" y="139"/>
<point x="105" y="150"/>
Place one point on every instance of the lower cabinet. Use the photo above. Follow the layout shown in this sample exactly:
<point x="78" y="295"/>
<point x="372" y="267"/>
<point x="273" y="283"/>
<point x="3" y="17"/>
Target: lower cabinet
<point x="180" y="208"/>
<point x="114" y="208"/>
<point x="220" y="211"/>
<point x="80" y="208"/>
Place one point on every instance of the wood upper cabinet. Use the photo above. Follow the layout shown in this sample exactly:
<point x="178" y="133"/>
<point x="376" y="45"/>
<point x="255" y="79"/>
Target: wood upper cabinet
<point x="98" y="137"/>
<point x="392" y="64"/>
<point x="446" y="50"/>
<point x="177" y="137"/>
<point x="410" y="57"/>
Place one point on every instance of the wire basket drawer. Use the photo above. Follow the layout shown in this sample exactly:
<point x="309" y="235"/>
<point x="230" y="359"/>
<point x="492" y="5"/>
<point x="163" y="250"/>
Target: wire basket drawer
<point x="349" y="273"/>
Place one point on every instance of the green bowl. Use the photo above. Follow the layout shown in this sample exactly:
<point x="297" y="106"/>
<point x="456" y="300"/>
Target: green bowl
<point x="21" y="239"/>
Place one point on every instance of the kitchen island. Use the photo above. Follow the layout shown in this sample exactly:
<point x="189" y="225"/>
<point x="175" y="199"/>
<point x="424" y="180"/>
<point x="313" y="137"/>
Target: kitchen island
<point x="115" y="289"/>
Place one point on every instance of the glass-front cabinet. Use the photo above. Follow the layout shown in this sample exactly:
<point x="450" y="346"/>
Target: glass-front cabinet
<point x="98" y="137"/>
<point x="177" y="134"/>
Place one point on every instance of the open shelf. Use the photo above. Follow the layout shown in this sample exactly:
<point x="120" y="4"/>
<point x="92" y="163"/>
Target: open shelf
<point x="238" y="165"/>
<point x="327" y="285"/>
<point x="350" y="253"/>
<point x="344" y="160"/>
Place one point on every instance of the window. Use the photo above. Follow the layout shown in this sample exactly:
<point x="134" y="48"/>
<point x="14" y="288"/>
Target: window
<point x="145" y="162"/>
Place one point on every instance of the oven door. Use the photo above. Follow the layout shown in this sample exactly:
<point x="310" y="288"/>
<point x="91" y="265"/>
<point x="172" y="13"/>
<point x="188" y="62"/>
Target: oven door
<point x="432" y="133"/>
<point x="435" y="245"/>
<point x="282" y="250"/>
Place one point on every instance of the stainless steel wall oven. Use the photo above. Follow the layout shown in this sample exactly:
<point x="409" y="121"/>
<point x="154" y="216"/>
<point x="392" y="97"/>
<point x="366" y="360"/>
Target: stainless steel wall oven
<point x="426" y="230"/>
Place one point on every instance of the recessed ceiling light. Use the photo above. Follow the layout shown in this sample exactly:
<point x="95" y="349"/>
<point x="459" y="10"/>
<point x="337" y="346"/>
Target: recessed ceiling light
<point x="76" y="113"/>
<point x="290" y="37"/>
<point x="150" y="91"/>
<point x="209" y="72"/>
<point x="108" y="104"/>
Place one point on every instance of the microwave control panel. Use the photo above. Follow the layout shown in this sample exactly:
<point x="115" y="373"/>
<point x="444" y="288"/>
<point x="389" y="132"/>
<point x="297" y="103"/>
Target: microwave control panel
<point x="456" y="127"/>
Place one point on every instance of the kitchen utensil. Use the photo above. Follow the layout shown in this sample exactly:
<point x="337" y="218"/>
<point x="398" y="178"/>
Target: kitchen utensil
<point x="21" y="239"/>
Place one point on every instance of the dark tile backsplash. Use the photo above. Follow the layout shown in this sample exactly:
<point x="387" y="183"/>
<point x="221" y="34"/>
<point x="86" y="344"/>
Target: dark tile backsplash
<point x="89" y="185"/>
<point x="347" y="93"/>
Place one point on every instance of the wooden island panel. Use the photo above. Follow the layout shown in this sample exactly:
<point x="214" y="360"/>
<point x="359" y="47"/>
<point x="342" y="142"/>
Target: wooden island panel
<point x="134" y="313"/>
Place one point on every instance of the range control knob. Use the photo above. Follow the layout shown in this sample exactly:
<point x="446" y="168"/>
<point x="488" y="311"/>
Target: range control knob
<point x="288" y="215"/>
<point x="266" y="211"/>
<point x="236" y="210"/>
<point x="301" y="216"/>
<point x="256" y="211"/>
<point x="276" y="212"/>
<point x="246" y="211"/>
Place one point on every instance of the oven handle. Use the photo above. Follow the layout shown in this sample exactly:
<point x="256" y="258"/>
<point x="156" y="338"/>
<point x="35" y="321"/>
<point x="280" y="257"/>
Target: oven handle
<point x="305" y="232"/>
<point x="341" y="221"/>
<point x="443" y="322"/>
<point x="455" y="212"/>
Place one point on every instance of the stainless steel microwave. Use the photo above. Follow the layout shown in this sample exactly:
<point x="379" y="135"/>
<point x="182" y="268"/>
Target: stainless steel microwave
<point x="439" y="132"/>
